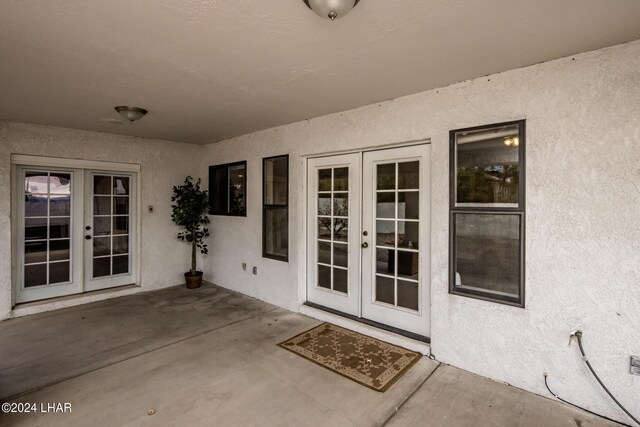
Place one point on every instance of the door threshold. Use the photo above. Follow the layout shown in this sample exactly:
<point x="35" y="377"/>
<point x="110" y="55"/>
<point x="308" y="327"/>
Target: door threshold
<point x="33" y="307"/>
<point x="409" y="340"/>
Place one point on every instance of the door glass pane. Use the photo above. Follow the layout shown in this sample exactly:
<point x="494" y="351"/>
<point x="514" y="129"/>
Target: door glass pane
<point x="35" y="228"/>
<point x="409" y="175"/>
<point x="408" y="265"/>
<point x="324" y="204"/>
<point x="59" y="228"/>
<point x="102" y="205"/>
<point x="408" y="234"/>
<point x="121" y="205"/>
<point x="120" y="225"/>
<point x="59" y="272"/>
<point x="59" y="250"/>
<point x="59" y="205"/>
<point x="385" y="261"/>
<point x="35" y="275"/>
<point x="324" y="276"/>
<point x="340" y="255"/>
<point x="408" y="294"/>
<point x="324" y="252"/>
<point x="36" y="205"/>
<point x="324" y="180"/>
<point x="341" y="179"/>
<point x="386" y="233"/>
<point x="36" y="182"/>
<point x="386" y="176"/>
<point x="101" y="184"/>
<point x="120" y="245"/>
<point x="101" y="246"/>
<point x="120" y="264"/>
<point x="324" y="228"/>
<point x="340" y="204"/>
<point x="60" y="183"/>
<point x="340" y="280"/>
<point x="121" y="185"/>
<point x="101" y="267"/>
<point x="385" y="290"/>
<point x="408" y="205"/>
<point x="386" y="205"/>
<point x="341" y="230"/>
<point x="35" y="252"/>
<point x="101" y="225"/>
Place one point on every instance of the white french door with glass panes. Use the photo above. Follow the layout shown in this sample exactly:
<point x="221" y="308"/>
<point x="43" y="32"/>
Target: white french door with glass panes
<point x="368" y="236"/>
<point x="59" y="215"/>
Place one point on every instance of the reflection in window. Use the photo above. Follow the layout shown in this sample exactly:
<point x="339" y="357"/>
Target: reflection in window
<point x="228" y="189"/>
<point x="487" y="167"/>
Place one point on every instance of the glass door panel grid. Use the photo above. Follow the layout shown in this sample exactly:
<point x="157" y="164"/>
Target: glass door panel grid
<point x="47" y="228"/>
<point x="333" y="229"/>
<point x="111" y="210"/>
<point x="397" y="236"/>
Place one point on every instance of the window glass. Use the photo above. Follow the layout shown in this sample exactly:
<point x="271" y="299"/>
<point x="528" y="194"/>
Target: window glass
<point x="487" y="167"/>
<point x="275" y="209"/>
<point x="228" y="189"/>
<point x="487" y="213"/>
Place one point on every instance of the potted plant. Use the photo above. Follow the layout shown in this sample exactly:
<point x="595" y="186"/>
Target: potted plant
<point x="190" y="209"/>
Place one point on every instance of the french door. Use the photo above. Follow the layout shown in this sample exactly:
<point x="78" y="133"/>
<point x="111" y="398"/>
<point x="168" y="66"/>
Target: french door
<point x="74" y="231"/>
<point x="368" y="236"/>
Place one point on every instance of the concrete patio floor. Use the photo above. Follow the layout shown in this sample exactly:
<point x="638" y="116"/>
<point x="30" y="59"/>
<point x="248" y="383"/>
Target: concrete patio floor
<point x="209" y="357"/>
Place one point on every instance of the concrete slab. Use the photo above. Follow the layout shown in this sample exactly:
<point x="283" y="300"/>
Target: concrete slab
<point x="453" y="397"/>
<point x="46" y="348"/>
<point x="227" y="377"/>
<point x="209" y="357"/>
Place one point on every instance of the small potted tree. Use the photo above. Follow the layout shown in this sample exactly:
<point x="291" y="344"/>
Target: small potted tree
<point x="190" y="208"/>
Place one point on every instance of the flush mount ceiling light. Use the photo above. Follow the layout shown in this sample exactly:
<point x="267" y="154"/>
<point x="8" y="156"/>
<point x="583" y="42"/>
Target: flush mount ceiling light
<point x="131" y="113"/>
<point x="331" y="9"/>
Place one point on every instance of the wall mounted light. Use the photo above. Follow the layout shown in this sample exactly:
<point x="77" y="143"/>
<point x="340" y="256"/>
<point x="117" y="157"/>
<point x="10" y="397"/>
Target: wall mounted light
<point x="131" y="113"/>
<point x="331" y="9"/>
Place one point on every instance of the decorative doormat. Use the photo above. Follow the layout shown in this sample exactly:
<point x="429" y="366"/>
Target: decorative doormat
<point x="365" y="360"/>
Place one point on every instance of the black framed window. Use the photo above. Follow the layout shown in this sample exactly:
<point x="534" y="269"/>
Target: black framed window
<point x="228" y="189"/>
<point x="487" y="212"/>
<point x="275" y="207"/>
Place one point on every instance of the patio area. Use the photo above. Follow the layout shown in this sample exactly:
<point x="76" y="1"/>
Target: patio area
<point x="209" y="357"/>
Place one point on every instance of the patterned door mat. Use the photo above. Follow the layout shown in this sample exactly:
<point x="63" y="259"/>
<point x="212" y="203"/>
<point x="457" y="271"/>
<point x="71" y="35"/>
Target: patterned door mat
<point x="365" y="360"/>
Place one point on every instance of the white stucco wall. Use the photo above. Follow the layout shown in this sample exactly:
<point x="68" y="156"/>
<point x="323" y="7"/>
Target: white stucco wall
<point x="582" y="229"/>
<point x="163" y="164"/>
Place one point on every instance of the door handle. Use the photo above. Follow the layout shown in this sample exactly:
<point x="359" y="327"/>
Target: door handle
<point x="87" y="237"/>
<point x="365" y="245"/>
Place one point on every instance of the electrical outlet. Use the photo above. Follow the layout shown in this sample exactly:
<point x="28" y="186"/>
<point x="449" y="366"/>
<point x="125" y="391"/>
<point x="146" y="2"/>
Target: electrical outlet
<point x="244" y="266"/>
<point x="255" y="270"/>
<point x="635" y="365"/>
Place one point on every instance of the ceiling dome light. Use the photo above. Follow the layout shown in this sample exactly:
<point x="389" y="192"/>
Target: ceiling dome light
<point x="331" y="9"/>
<point x="131" y="113"/>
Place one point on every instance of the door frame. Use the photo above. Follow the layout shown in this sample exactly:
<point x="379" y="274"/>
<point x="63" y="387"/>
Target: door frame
<point x="40" y="162"/>
<point x="304" y="203"/>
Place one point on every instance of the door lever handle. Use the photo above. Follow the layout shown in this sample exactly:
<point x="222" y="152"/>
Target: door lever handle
<point x="365" y="245"/>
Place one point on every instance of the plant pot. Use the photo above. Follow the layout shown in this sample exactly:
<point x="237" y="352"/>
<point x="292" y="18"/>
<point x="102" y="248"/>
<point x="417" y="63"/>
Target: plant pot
<point x="193" y="281"/>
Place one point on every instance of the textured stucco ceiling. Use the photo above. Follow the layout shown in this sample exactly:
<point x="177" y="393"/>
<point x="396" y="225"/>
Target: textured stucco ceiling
<point x="212" y="70"/>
